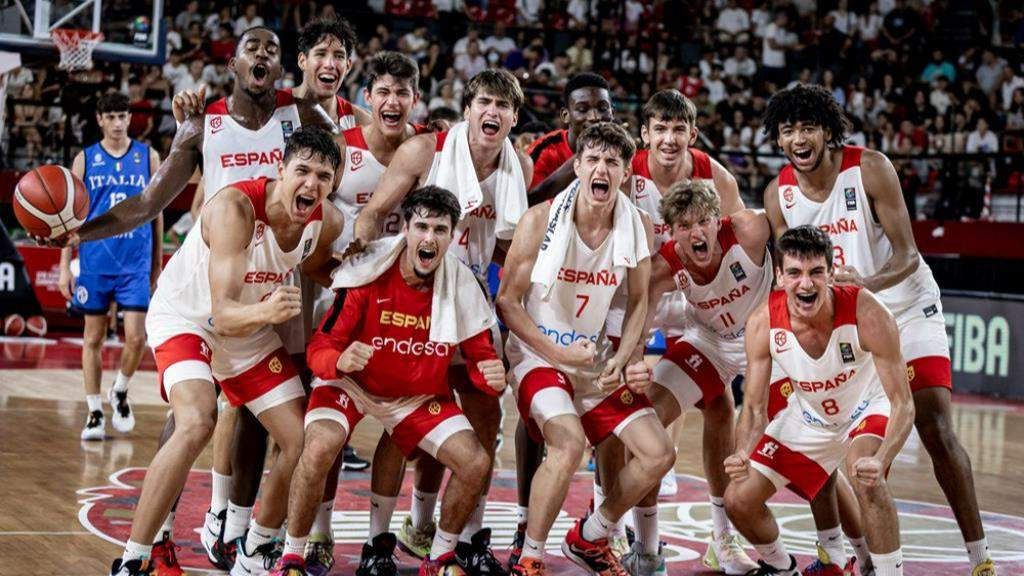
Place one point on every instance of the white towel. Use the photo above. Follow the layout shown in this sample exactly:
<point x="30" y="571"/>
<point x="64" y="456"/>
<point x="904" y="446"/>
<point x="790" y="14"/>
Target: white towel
<point x="459" y="309"/>
<point x="629" y="240"/>
<point x="454" y="171"/>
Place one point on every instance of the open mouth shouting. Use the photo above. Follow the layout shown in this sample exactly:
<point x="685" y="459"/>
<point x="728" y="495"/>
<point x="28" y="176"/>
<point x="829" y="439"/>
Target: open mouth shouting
<point x="327" y="81"/>
<point x="601" y="189"/>
<point x="304" y="204"/>
<point x="260" y="74"/>
<point x="805" y="301"/>
<point x="803" y="157"/>
<point x="391" y="119"/>
<point x="490" y="127"/>
<point x="701" y="250"/>
<point x="425" y="258"/>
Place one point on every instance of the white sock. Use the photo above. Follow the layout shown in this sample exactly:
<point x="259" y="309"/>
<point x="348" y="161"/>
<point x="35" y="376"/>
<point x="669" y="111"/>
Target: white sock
<point x="381" y="510"/>
<point x="532" y="549"/>
<point x="596" y="526"/>
<point x="444" y="542"/>
<point x="719" y="519"/>
<point x="136" y="551"/>
<point x="646" y="518"/>
<point x="522" y="513"/>
<point x="475" y="522"/>
<point x="422" y="509"/>
<point x="774" y="554"/>
<point x="166" y="528"/>
<point x="598" y="495"/>
<point x="977" y="551"/>
<point x="258" y="536"/>
<point x="831" y="540"/>
<point x="237" y="522"/>
<point x="121" y="382"/>
<point x="322" y="522"/>
<point x="860" y="550"/>
<point x="890" y="564"/>
<point x="295" y="545"/>
<point x="94" y="402"/>
<point x="220" y="487"/>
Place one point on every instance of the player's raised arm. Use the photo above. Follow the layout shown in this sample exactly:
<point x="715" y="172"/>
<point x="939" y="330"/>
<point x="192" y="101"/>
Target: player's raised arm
<point x="878" y="334"/>
<point x="727" y="188"/>
<point x="319" y="265"/>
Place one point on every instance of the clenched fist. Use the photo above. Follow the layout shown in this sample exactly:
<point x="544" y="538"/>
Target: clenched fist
<point x="283" y="305"/>
<point x="737" y="466"/>
<point x="579" y="354"/>
<point x="868" y="470"/>
<point x="355" y="357"/>
<point x="638" y="377"/>
<point x="493" y="372"/>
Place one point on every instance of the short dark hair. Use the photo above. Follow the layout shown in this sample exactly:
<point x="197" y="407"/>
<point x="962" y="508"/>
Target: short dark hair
<point x="317" y="142"/>
<point x="607" y="135"/>
<point x="583" y="80"/>
<point x="499" y="82"/>
<point x="112" y="102"/>
<point x="434" y="201"/>
<point x="398" y="65"/>
<point x="810" y="104"/>
<point x="444" y="113"/>
<point x="250" y="30"/>
<point x="669" y="105"/>
<point x="805" y="241"/>
<point x="318" y="29"/>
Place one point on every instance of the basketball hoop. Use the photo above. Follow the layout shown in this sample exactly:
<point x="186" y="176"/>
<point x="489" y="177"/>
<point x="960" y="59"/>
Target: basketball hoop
<point x="75" y="47"/>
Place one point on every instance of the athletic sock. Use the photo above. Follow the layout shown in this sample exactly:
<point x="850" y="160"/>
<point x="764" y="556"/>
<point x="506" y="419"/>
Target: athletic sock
<point x="831" y="541"/>
<point x="258" y="536"/>
<point x="475" y="522"/>
<point x="295" y="545"/>
<point x="381" y="510"/>
<point x="444" y="542"/>
<point x="890" y="564"/>
<point x="596" y="526"/>
<point x="719" y="519"/>
<point x="166" y="528"/>
<point x="774" y="554"/>
<point x="136" y="551"/>
<point x="237" y="522"/>
<point x="646" y="519"/>
<point x="522" y="513"/>
<point x="977" y="551"/>
<point x="421" y="512"/>
<point x="532" y="549"/>
<point x="860" y="550"/>
<point x="121" y="382"/>
<point x="220" y="487"/>
<point x="322" y="522"/>
<point x="94" y="402"/>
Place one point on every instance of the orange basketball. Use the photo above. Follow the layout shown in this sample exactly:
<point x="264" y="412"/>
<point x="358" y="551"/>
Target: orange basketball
<point x="50" y="201"/>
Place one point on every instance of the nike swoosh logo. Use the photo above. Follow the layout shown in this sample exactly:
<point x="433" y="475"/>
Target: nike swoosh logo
<point x="242" y="566"/>
<point x="790" y="206"/>
<point x="421" y="498"/>
<point x="381" y="300"/>
<point x="781" y="350"/>
<point x="833" y="538"/>
<point x="650" y="515"/>
<point x="374" y="504"/>
<point x="642" y="197"/>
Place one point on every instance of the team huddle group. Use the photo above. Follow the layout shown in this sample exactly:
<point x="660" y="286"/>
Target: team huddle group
<point x="336" y="271"/>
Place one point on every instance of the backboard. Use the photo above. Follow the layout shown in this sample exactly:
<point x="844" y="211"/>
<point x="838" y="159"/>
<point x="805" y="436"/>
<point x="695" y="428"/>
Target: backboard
<point x="133" y="29"/>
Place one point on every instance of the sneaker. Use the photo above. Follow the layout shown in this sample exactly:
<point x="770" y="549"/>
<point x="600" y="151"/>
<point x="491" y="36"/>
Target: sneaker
<point x="529" y="567"/>
<point x="517" y="547"/>
<point x="289" y="567"/>
<point x="986" y="568"/>
<point x="725" y="554"/>
<point x="669" y="487"/>
<point x="445" y="565"/>
<point x="619" y="543"/>
<point x="378" y="558"/>
<point x="639" y="563"/>
<point x="823" y="566"/>
<point x="416" y="542"/>
<point x="121" y="417"/>
<point x="129" y="568"/>
<point x="163" y="560"/>
<point x="351" y="461"/>
<point x="257" y="563"/>
<point x="766" y="569"/>
<point x="319" y="555"/>
<point x="94" y="426"/>
<point x="220" y="554"/>
<point x="476" y="558"/>
<point x="594" y="557"/>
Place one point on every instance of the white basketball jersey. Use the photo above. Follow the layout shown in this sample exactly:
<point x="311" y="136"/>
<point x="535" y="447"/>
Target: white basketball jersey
<point x="644" y="193"/>
<point x="185" y="282"/>
<point x="233" y="153"/>
<point x="857" y="238"/>
<point x="346" y="116"/>
<point x="837" y="387"/>
<point x="362" y="174"/>
<point x="723" y="305"/>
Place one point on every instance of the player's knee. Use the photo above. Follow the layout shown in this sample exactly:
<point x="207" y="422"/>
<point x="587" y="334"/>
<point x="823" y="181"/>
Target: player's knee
<point x="936" y="432"/>
<point x="93" y="340"/>
<point x="738" y="502"/>
<point x="195" y="428"/>
<point x="322" y="444"/>
<point x="134" y="341"/>
<point x="476" y="466"/>
<point x="718" y="411"/>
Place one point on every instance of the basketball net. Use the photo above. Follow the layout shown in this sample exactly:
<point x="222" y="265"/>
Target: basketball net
<point x="75" y="47"/>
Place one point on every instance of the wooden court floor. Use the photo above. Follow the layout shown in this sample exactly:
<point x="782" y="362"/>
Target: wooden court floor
<point x="65" y="505"/>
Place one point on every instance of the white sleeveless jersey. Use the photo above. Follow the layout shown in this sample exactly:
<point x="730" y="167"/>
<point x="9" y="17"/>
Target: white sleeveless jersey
<point x="233" y="153"/>
<point x="836" y="388"/>
<point x="723" y="305"/>
<point x="346" y="115"/>
<point x="185" y="282"/>
<point x="360" y="178"/>
<point x="644" y="193"/>
<point x="858" y="239"/>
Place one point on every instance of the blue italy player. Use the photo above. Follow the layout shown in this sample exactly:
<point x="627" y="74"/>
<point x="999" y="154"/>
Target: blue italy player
<point x="121" y="269"/>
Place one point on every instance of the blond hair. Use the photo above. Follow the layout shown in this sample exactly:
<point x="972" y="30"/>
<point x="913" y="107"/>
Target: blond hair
<point x="697" y="196"/>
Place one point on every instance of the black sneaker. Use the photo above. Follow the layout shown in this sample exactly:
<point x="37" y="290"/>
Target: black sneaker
<point x="378" y="559"/>
<point x="475" y="557"/>
<point x="766" y="569"/>
<point x="129" y="568"/>
<point x="95" y="428"/>
<point x="261" y="560"/>
<point x="352" y="461"/>
<point x="517" y="545"/>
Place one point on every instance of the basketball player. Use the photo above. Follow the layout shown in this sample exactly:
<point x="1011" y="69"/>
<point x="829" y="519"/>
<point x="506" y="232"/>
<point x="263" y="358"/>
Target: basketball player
<point x="722" y="268"/>
<point x="326" y="48"/>
<point x="120" y="269"/>
<point x="404" y="386"/>
<point x="493" y="98"/>
<point x="840" y="347"/>
<point x="854" y="195"/>
<point x="566" y="391"/>
<point x="219" y="324"/>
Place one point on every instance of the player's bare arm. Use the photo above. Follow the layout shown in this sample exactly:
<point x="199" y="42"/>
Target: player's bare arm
<point x="65" y="279"/>
<point x="157" y="262"/>
<point x="772" y="210"/>
<point x="319" y="265"/>
<point x="558" y="180"/>
<point x="637" y="280"/>
<point x="727" y="188"/>
<point x="228" y="239"/>
<point x="754" y="416"/>
<point x="636" y="352"/>
<point x="882" y="185"/>
<point x="878" y="334"/>
<point x="752" y="232"/>
<point x="363" y="116"/>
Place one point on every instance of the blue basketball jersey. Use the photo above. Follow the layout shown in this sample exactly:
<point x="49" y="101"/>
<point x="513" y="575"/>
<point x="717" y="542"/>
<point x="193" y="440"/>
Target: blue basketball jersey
<point x="109" y="180"/>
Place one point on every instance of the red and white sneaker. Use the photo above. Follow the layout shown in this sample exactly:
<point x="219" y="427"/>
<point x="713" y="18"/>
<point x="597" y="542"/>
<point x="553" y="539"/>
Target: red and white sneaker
<point x="445" y="565"/>
<point x="594" y="557"/>
<point x="162" y="559"/>
<point x="529" y="567"/>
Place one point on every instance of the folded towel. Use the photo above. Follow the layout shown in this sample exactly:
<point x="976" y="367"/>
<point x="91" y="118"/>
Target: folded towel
<point x="454" y="171"/>
<point x="459" y="308"/>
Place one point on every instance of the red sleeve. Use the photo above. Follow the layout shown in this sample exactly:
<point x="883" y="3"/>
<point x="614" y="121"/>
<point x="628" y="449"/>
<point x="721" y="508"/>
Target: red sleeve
<point x="542" y="168"/>
<point x="337" y="330"/>
<point x="477" y="349"/>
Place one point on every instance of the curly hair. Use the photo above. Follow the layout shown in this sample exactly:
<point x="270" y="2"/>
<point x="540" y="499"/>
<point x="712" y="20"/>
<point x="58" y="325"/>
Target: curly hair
<point x="810" y="104"/>
<point x="316" y="30"/>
